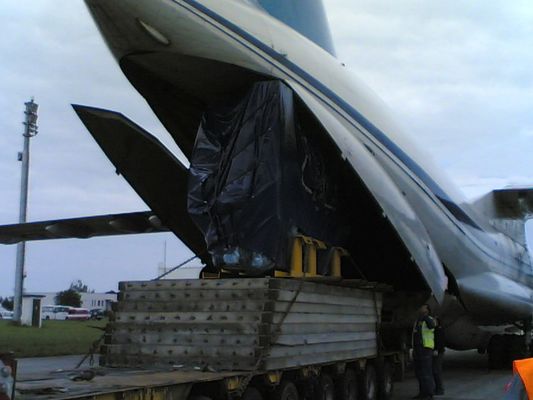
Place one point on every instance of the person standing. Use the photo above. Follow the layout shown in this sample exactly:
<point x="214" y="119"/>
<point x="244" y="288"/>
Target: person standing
<point x="423" y="345"/>
<point x="438" y="356"/>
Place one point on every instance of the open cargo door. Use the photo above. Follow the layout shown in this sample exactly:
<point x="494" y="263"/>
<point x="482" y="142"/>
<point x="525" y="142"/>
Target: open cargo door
<point x="158" y="177"/>
<point x="395" y="206"/>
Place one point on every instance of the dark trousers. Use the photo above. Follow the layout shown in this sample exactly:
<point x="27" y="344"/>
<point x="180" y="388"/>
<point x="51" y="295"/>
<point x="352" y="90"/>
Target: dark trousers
<point x="423" y="363"/>
<point x="437" y="372"/>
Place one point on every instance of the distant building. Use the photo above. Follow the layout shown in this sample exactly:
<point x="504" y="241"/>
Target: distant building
<point x="49" y="299"/>
<point x="98" y="300"/>
<point x="88" y="300"/>
<point x="31" y="310"/>
<point x="188" y="271"/>
<point x="102" y="301"/>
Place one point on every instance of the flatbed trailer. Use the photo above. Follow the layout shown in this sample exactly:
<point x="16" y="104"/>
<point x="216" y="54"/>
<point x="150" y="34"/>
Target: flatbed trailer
<point x="118" y="383"/>
<point x="237" y="338"/>
<point x="298" y="335"/>
<point x="138" y="384"/>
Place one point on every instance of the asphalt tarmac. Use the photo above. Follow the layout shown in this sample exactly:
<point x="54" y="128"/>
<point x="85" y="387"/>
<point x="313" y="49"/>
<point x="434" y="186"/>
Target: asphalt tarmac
<point x="466" y="376"/>
<point x="39" y="367"/>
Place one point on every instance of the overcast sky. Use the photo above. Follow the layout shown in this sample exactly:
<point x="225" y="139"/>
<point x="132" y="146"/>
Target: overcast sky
<point x="458" y="75"/>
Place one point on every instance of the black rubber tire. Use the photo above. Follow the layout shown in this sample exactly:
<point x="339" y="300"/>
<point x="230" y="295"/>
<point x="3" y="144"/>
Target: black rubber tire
<point x="325" y="388"/>
<point x="347" y="386"/>
<point x="385" y="377"/>
<point x="400" y="367"/>
<point x="369" y="383"/>
<point x="251" y="393"/>
<point x="286" y="390"/>
<point x="497" y="351"/>
<point x="517" y="347"/>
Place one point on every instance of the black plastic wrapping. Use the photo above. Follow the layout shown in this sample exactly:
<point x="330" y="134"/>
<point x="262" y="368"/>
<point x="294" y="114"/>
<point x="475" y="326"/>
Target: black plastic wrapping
<point x="257" y="179"/>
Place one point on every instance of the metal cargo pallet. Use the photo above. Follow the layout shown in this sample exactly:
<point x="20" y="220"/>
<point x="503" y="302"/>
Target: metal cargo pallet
<point x="255" y="324"/>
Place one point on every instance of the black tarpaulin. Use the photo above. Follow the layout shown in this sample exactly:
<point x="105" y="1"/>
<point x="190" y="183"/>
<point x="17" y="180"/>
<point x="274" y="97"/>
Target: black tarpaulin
<point x="256" y="179"/>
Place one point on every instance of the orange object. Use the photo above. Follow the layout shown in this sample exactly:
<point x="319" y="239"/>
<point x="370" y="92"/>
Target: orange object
<point x="524" y="368"/>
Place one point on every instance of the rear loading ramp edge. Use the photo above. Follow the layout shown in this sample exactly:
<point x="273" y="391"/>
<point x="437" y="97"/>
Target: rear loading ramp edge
<point x="396" y="208"/>
<point x="150" y="168"/>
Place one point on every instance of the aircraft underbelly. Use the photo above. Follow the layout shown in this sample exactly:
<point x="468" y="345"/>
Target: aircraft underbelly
<point x="493" y="299"/>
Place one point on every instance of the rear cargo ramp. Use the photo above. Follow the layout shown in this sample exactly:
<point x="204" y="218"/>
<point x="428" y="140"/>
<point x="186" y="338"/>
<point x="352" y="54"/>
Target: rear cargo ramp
<point x="240" y="324"/>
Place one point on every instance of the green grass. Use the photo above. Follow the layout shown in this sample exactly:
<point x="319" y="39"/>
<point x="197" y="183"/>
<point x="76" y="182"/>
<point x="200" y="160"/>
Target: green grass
<point x="53" y="339"/>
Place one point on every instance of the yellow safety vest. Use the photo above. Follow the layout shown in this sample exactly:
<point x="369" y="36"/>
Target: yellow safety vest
<point x="428" y="336"/>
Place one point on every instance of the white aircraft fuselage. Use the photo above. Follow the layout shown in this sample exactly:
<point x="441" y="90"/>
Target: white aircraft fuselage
<point x="479" y="274"/>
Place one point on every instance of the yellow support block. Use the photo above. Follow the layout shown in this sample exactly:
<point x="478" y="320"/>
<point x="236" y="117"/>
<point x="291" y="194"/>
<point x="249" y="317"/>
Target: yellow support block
<point x="281" y="274"/>
<point x="210" y="275"/>
<point x="274" y="377"/>
<point x="336" y="264"/>
<point x="304" y="262"/>
<point x="297" y="270"/>
<point x="310" y="258"/>
<point x="336" y="261"/>
<point x="233" y="383"/>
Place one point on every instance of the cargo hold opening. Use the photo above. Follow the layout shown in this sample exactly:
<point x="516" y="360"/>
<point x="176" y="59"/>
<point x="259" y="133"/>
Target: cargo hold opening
<point x="180" y="89"/>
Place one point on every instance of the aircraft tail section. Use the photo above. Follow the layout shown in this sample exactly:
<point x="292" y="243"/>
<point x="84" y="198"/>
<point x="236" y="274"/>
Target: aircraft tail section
<point x="508" y="210"/>
<point x="305" y="16"/>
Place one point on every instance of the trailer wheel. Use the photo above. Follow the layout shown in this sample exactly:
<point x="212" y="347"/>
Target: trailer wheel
<point x="497" y="352"/>
<point x="369" y="390"/>
<point x="401" y="366"/>
<point x="251" y="393"/>
<point x="517" y="347"/>
<point x="286" y="390"/>
<point x="325" y="389"/>
<point x="347" y="387"/>
<point x="385" y="380"/>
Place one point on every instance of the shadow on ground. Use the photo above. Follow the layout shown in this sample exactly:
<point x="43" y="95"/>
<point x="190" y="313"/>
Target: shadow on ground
<point x="466" y="377"/>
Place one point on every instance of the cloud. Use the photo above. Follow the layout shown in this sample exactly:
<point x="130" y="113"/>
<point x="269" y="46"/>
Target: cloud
<point x="526" y="132"/>
<point x="56" y="54"/>
<point x="457" y="77"/>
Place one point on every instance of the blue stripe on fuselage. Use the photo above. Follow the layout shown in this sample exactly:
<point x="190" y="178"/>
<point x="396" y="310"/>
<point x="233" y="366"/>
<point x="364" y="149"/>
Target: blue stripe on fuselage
<point x="305" y="16"/>
<point x="411" y="164"/>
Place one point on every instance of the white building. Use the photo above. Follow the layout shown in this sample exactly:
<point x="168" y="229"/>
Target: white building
<point x="102" y="301"/>
<point x="88" y="300"/>
<point x="31" y="310"/>
<point x="49" y="299"/>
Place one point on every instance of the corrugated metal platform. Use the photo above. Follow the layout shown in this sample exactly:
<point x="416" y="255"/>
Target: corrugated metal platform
<point x="241" y="324"/>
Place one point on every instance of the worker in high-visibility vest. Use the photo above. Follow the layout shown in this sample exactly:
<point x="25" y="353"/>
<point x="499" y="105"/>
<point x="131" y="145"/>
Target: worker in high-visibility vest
<point x="423" y="345"/>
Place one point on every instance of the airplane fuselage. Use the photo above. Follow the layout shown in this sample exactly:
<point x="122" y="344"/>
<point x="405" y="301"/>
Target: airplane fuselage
<point x="488" y="275"/>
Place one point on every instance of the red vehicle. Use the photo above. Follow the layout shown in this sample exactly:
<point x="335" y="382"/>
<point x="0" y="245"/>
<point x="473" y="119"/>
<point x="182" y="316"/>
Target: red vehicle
<point x="80" y="314"/>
